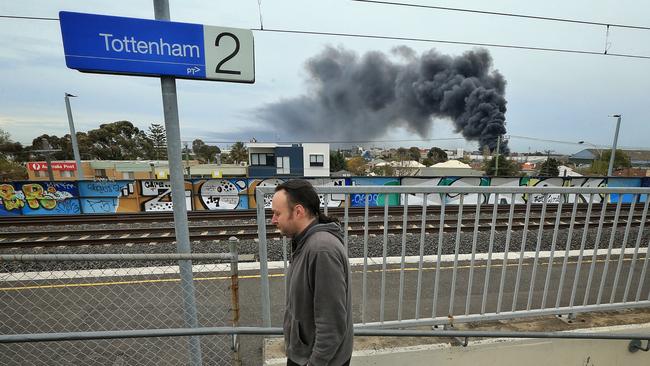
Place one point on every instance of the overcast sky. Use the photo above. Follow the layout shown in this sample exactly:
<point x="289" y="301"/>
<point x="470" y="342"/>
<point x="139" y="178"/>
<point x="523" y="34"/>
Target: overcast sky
<point x="550" y="96"/>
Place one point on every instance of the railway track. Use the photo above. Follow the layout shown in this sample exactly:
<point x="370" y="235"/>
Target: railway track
<point x="195" y="216"/>
<point x="158" y="235"/>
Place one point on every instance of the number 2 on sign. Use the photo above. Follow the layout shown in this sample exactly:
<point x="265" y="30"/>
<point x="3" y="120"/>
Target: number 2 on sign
<point x="216" y="43"/>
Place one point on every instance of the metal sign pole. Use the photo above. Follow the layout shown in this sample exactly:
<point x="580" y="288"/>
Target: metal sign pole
<point x="170" y="108"/>
<point x="73" y="137"/>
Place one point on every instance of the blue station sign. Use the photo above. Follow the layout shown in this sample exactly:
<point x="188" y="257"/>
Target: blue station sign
<point x="131" y="46"/>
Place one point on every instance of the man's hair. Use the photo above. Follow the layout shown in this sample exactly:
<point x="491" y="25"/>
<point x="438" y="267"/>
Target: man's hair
<point x="301" y="192"/>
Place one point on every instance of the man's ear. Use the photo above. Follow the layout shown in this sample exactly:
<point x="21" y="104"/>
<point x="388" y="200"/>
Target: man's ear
<point x="300" y="211"/>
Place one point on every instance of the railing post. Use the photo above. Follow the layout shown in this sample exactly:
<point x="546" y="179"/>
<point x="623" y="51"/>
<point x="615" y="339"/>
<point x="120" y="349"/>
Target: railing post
<point x="264" y="265"/>
<point x="234" y="291"/>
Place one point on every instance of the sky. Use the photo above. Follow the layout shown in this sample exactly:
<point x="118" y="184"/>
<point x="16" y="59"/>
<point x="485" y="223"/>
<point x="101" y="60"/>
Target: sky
<point x="554" y="100"/>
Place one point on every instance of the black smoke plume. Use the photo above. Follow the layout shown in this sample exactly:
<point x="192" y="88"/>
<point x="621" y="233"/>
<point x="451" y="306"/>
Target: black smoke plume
<point x="354" y="98"/>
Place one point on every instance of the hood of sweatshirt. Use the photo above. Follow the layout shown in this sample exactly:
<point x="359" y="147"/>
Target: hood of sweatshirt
<point x="299" y="241"/>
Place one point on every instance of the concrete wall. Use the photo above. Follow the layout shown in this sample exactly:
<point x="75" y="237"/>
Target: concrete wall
<point x="318" y="149"/>
<point x="507" y="352"/>
<point x="295" y="154"/>
<point x="233" y="193"/>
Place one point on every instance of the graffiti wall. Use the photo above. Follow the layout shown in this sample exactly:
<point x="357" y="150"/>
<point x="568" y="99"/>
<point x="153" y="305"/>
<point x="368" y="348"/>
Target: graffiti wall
<point x="374" y="199"/>
<point x="220" y="194"/>
<point x="156" y="195"/>
<point x="106" y="197"/>
<point x="454" y="199"/>
<point x="45" y="198"/>
<point x="334" y="200"/>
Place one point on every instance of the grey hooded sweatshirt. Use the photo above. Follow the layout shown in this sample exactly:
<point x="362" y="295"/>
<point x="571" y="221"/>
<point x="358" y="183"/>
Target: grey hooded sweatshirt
<point x="318" y="317"/>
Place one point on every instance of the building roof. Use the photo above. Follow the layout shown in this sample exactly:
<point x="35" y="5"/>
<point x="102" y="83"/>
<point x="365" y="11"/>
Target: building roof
<point x="264" y="145"/>
<point x="454" y="164"/>
<point x="640" y="156"/>
<point x="565" y="171"/>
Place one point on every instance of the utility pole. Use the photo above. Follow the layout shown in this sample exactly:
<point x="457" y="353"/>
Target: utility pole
<point x="187" y="160"/>
<point x="610" y="169"/>
<point x="47" y="152"/>
<point x="496" y="165"/>
<point x="73" y="137"/>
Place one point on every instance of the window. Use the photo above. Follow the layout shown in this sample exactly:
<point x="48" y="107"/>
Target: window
<point x="38" y="173"/>
<point x="316" y="160"/>
<point x="100" y="173"/>
<point x="263" y="159"/>
<point x="128" y="175"/>
<point x="284" y="166"/>
<point x="67" y="174"/>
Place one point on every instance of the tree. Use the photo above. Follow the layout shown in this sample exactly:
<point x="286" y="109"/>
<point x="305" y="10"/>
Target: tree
<point x="158" y="139"/>
<point x="621" y="160"/>
<point x="384" y="170"/>
<point x="204" y="152"/>
<point x="414" y="153"/>
<point x="357" y="165"/>
<point x="238" y="153"/>
<point x="402" y="154"/>
<point x="427" y="161"/>
<point x="507" y="167"/>
<point x="549" y="168"/>
<point x="9" y="150"/>
<point x="120" y="141"/>
<point x="337" y="161"/>
<point x="437" y="155"/>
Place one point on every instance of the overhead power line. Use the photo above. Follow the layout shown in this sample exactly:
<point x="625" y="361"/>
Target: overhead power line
<point x="413" y="39"/>
<point x="345" y="142"/>
<point x="431" y="40"/>
<point x="565" y="20"/>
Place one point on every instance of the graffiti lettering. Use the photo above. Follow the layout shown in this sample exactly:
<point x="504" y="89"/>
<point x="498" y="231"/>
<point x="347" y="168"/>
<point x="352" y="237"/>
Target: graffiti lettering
<point x="10" y="199"/>
<point x="36" y="197"/>
<point x="104" y="187"/>
<point x="101" y="206"/>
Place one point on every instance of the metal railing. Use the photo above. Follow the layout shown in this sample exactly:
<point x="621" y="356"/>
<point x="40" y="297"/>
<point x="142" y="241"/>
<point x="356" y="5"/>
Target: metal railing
<point x="67" y="297"/>
<point x="541" y="263"/>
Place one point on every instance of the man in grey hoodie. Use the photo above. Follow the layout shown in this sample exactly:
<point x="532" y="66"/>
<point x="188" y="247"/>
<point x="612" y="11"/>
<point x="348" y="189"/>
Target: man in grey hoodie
<point x="318" y="327"/>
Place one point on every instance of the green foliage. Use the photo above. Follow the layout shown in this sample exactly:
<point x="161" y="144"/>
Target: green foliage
<point x="621" y="160"/>
<point x="402" y="154"/>
<point x="337" y="161"/>
<point x="12" y="150"/>
<point x="120" y="141"/>
<point x="9" y="151"/>
<point x="507" y="167"/>
<point x="238" y="153"/>
<point x="549" y="168"/>
<point x="427" y="161"/>
<point x="414" y="153"/>
<point x="357" y="166"/>
<point x="156" y="134"/>
<point x="111" y="141"/>
<point x="10" y="170"/>
<point x="205" y="153"/>
<point x="386" y="170"/>
<point x="437" y="155"/>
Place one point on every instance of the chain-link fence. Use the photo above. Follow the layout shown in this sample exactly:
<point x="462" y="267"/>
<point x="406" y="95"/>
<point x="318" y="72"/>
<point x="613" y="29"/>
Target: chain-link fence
<point x="91" y="293"/>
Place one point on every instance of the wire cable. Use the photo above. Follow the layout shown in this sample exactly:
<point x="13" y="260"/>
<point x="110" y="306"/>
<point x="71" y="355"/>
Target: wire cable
<point x="345" y="142"/>
<point x="431" y="40"/>
<point x="565" y="20"/>
<point x="412" y="39"/>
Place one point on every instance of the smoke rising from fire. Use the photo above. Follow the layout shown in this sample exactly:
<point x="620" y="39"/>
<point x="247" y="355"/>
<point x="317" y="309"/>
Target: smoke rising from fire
<point x="356" y="98"/>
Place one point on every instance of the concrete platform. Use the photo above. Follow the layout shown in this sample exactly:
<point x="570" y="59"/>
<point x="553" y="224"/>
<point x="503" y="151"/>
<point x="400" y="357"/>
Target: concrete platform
<point x="501" y="351"/>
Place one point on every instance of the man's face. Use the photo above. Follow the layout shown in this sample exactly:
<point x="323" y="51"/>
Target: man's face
<point x="283" y="215"/>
